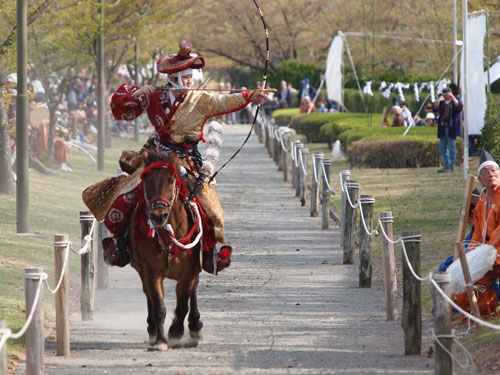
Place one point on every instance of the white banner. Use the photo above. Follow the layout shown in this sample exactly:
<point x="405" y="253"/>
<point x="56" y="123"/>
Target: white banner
<point x="476" y="93"/>
<point x="333" y="73"/>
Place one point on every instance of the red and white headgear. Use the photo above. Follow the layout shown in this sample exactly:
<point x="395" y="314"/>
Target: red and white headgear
<point x="182" y="63"/>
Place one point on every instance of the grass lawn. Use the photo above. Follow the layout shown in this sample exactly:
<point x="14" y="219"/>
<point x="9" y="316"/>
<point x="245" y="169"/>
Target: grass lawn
<point x="54" y="205"/>
<point x="422" y="200"/>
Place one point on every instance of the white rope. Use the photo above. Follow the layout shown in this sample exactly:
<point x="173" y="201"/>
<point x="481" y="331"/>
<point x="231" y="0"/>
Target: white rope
<point x="469" y="360"/>
<point x="360" y="204"/>
<point x="63" y="270"/>
<point x="198" y="237"/>
<point x="283" y="145"/>
<point x="302" y="163"/>
<point x="325" y="179"/>
<point x="315" y="172"/>
<point x="85" y="248"/>
<point x="42" y="276"/>
<point x="354" y="185"/>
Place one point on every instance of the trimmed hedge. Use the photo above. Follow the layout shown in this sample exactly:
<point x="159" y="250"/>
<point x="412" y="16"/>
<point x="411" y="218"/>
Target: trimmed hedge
<point x="490" y="135"/>
<point x="283" y="117"/>
<point x="399" y="152"/>
<point x="331" y="131"/>
<point x="356" y="134"/>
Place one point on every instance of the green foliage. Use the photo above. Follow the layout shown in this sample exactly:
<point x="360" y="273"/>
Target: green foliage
<point x="377" y="102"/>
<point x="294" y="72"/>
<point x="341" y="122"/>
<point x="283" y="117"/>
<point x="398" y="152"/>
<point x="490" y="137"/>
<point x="356" y="134"/>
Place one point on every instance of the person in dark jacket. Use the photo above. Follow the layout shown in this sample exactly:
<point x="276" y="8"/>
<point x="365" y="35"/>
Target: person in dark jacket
<point x="285" y="96"/>
<point x="449" y="109"/>
<point x="306" y="90"/>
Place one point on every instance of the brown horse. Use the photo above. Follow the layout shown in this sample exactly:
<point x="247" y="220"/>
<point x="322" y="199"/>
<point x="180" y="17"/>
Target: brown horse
<point x="155" y="255"/>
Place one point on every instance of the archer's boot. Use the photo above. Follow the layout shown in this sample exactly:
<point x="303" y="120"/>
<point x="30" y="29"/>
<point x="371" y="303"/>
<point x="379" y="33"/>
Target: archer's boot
<point x="115" y="252"/>
<point x="223" y="259"/>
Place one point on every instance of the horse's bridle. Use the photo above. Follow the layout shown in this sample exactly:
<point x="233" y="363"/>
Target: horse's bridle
<point x="159" y="201"/>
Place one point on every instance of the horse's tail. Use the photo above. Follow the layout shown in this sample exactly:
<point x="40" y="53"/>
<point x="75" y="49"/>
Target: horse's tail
<point x="214" y="145"/>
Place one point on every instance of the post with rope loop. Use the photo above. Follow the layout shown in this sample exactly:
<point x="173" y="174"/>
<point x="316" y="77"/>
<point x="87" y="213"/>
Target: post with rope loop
<point x="344" y="176"/>
<point x="325" y="193"/>
<point x="276" y="145"/>
<point x="102" y="266"/>
<point x="443" y="363"/>
<point x="365" y="240"/>
<point x="3" y="352"/>
<point x="285" y="146"/>
<point x="411" y="319"/>
<point x="88" y="273"/>
<point x="350" y="216"/>
<point x="303" y="175"/>
<point x="295" y="145"/>
<point x="270" y="144"/>
<point x="266" y="134"/>
<point x="298" y="157"/>
<point x="34" y="334"/>
<point x="62" y="297"/>
<point x="316" y="159"/>
<point x="390" y="284"/>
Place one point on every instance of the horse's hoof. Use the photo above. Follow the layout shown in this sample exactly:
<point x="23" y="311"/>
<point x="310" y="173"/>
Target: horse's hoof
<point x="196" y="335"/>
<point x="174" y="343"/>
<point x="158" y="347"/>
<point x="191" y="343"/>
<point x="152" y="340"/>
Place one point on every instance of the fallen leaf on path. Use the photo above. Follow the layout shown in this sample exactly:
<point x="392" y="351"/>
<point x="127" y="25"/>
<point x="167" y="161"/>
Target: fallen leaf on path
<point x="330" y="318"/>
<point x="324" y="262"/>
<point x="377" y="347"/>
<point x="149" y="364"/>
<point x="297" y="249"/>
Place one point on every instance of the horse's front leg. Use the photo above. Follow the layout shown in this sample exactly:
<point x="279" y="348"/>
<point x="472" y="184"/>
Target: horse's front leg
<point x="195" y="324"/>
<point x="156" y="317"/>
<point x="176" y="330"/>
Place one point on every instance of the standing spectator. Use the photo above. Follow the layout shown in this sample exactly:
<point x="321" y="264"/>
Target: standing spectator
<point x="449" y="109"/>
<point x="398" y="119"/>
<point x="306" y="90"/>
<point x="405" y="111"/>
<point x="285" y="96"/>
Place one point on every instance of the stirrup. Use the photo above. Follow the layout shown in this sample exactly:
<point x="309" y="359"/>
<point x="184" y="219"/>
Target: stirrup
<point x="222" y="259"/>
<point x="113" y="254"/>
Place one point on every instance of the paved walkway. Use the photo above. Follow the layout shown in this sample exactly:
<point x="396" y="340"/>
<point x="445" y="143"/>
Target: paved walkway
<point x="286" y="305"/>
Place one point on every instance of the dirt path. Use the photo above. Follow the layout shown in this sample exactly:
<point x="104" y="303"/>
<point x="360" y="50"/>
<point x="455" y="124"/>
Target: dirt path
<point x="277" y="310"/>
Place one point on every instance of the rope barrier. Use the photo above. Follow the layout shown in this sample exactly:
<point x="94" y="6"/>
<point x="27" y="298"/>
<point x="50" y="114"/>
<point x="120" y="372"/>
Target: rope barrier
<point x="63" y="270"/>
<point x="6" y="333"/>
<point x="302" y="163"/>
<point x="315" y="172"/>
<point x="325" y="180"/>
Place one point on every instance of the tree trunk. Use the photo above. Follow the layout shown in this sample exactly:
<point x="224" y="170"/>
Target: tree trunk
<point x="6" y="182"/>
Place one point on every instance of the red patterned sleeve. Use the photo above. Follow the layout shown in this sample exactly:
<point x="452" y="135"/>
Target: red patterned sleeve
<point x="124" y="106"/>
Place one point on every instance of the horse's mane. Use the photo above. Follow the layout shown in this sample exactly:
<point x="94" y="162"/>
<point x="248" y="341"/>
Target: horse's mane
<point x="154" y="156"/>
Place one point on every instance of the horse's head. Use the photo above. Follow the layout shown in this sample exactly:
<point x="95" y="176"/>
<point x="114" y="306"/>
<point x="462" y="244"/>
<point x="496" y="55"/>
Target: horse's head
<point x="161" y="185"/>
